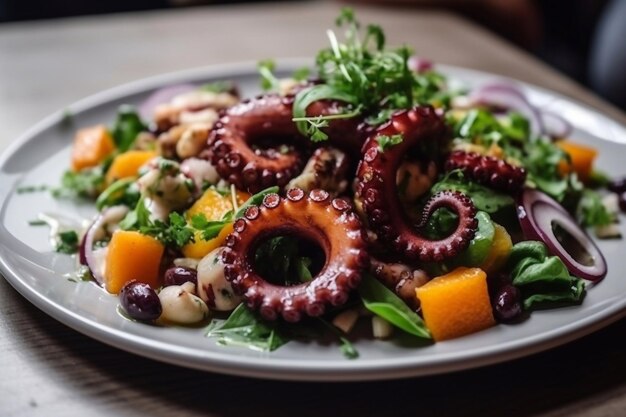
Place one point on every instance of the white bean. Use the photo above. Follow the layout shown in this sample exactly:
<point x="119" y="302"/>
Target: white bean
<point x="182" y="307"/>
<point x="213" y="287"/>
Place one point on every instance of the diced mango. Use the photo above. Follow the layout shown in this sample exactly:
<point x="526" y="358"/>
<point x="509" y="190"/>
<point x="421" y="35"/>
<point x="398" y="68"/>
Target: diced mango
<point x="201" y="248"/>
<point x="91" y="146"/>
<point x="127" y="164"/>
<point x="213" y="206"/>
<point x="582" y="159"/>
<point x="456" y="304"/>
<point x="132" y="255"/>
<point x="499" y="250"/>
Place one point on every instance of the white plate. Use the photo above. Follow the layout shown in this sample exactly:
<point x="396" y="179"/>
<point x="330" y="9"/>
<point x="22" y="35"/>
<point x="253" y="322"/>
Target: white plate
<point x="27" y="262"/>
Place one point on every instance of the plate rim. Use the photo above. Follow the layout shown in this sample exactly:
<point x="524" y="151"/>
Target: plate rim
<point x="285" y="369"/>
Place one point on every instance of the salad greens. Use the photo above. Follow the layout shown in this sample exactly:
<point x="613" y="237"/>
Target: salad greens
<point x="542" y="279"/>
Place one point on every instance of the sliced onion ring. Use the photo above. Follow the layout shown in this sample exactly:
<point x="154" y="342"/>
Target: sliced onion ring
<point x="94" y="258"/>
<point x="510" y="97"/>
<point x="419" y="65"/>
<point x="555" y="125"/>
<point x="161" y="96"/>
<point x="537" y="212"/>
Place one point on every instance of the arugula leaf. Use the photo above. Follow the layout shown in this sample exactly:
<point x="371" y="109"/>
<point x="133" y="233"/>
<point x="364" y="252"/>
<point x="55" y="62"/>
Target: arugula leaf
<point x="208" y="229"/>
<point x="126" y="128"/>
<point x="244" y="328"/>
<point x="306" y="97"/>
<point x="254" y="200"/>
<point x="383" y="302"/>
<point x="347" y="348"/>
<point x="67" y="242"/>
<point x="385" y="142"/>
<point x="120" y="192"/>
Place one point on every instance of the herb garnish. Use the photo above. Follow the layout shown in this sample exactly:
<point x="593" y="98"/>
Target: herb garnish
<point x="385" y="142"/>
<point x="67" y="242"/>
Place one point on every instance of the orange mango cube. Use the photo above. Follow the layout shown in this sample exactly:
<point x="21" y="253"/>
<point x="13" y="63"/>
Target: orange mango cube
<point x="127" y="164"/>
<point x="132" y="255"/>
<point x="91" y="146"/>
<point x="456" y="304"/>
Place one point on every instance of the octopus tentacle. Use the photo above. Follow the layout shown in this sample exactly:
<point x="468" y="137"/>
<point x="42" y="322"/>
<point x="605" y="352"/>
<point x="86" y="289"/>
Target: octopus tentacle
<point x="401" y="278"/>
<point x="330" y="223"/>
<point x="230" y="144"/>
<point x="487" y="170"/>
<point x="377" y="190"/>
<point x="268" y="119"/>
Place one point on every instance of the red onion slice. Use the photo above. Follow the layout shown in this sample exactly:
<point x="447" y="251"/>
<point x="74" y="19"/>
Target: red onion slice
<point x="161" y="96"/>
<point x="94" y="258"/>
<point x="555" y="125"/>
<point x="538" y="214"/>
<point x="510" y="97"/>
<point x="419" y="65"/>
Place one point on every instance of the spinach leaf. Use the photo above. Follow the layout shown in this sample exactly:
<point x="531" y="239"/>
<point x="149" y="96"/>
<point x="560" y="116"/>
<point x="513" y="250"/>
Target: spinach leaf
<point x="542" y="279"/>
<point x="244" y="328"/>
<point x="384" y="303"/>
<point x="279" y="260"/>
<point x="127" y="126"/>
<point x="479" y="246"/>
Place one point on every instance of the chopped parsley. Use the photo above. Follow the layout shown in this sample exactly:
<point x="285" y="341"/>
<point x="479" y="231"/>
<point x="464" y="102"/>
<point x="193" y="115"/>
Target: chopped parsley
<point x="385" y="142"/>
<point x="67" y="242"/>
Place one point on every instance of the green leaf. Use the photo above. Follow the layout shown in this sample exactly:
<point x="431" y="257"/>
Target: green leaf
<point x="571" y="295"/>
<point x="591" y="211"/>
<point x="268" y="79"/>
<point x="480" y="245"/>
<point x="255" y="200"/>
<point x="208" y="229"/>
<point x="306" y="97"/>
<point x="218" y="87"/>
<point x="118" y="193"/>
<point x="244" y="328"/>
<point x="543" y="280"/>
<point x="385" y="142"/>
<point x="383" y="302"/>
<point x="301" y="74"/>
<point x="82" y="184"/>
<point x="485" y="199"/>
<point x="126" y="128"/>
<point x="67" y="242"/>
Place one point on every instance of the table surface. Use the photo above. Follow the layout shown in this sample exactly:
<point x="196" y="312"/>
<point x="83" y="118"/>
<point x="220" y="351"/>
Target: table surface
<point x="49" y="369"/>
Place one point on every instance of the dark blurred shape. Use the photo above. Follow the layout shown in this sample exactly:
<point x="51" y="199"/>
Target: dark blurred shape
<point x="11" y="10"/>
<point x="607" y="69"/>
<point x="582" y="38"/>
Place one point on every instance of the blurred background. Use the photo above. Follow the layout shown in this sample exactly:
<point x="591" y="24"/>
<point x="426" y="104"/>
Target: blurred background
<point x="582" y="38"/>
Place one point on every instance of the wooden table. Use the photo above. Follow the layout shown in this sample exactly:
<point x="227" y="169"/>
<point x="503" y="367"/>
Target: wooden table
<point x="48" y="369"/>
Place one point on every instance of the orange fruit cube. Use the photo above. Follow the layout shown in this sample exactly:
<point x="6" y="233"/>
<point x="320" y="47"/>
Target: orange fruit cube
<point x="456" y="304"/>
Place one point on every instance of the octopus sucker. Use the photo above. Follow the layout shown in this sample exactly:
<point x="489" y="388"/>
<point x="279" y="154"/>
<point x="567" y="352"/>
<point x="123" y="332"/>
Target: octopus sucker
<point x="487" y="170"/>
<point x="377" y="190"/>
<point x="314" y="216"/>
<point x="267" y="121"/>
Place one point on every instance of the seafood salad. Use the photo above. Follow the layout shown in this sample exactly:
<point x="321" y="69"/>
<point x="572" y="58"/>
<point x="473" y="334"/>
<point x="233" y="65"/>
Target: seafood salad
<point x="364" y="195"/>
